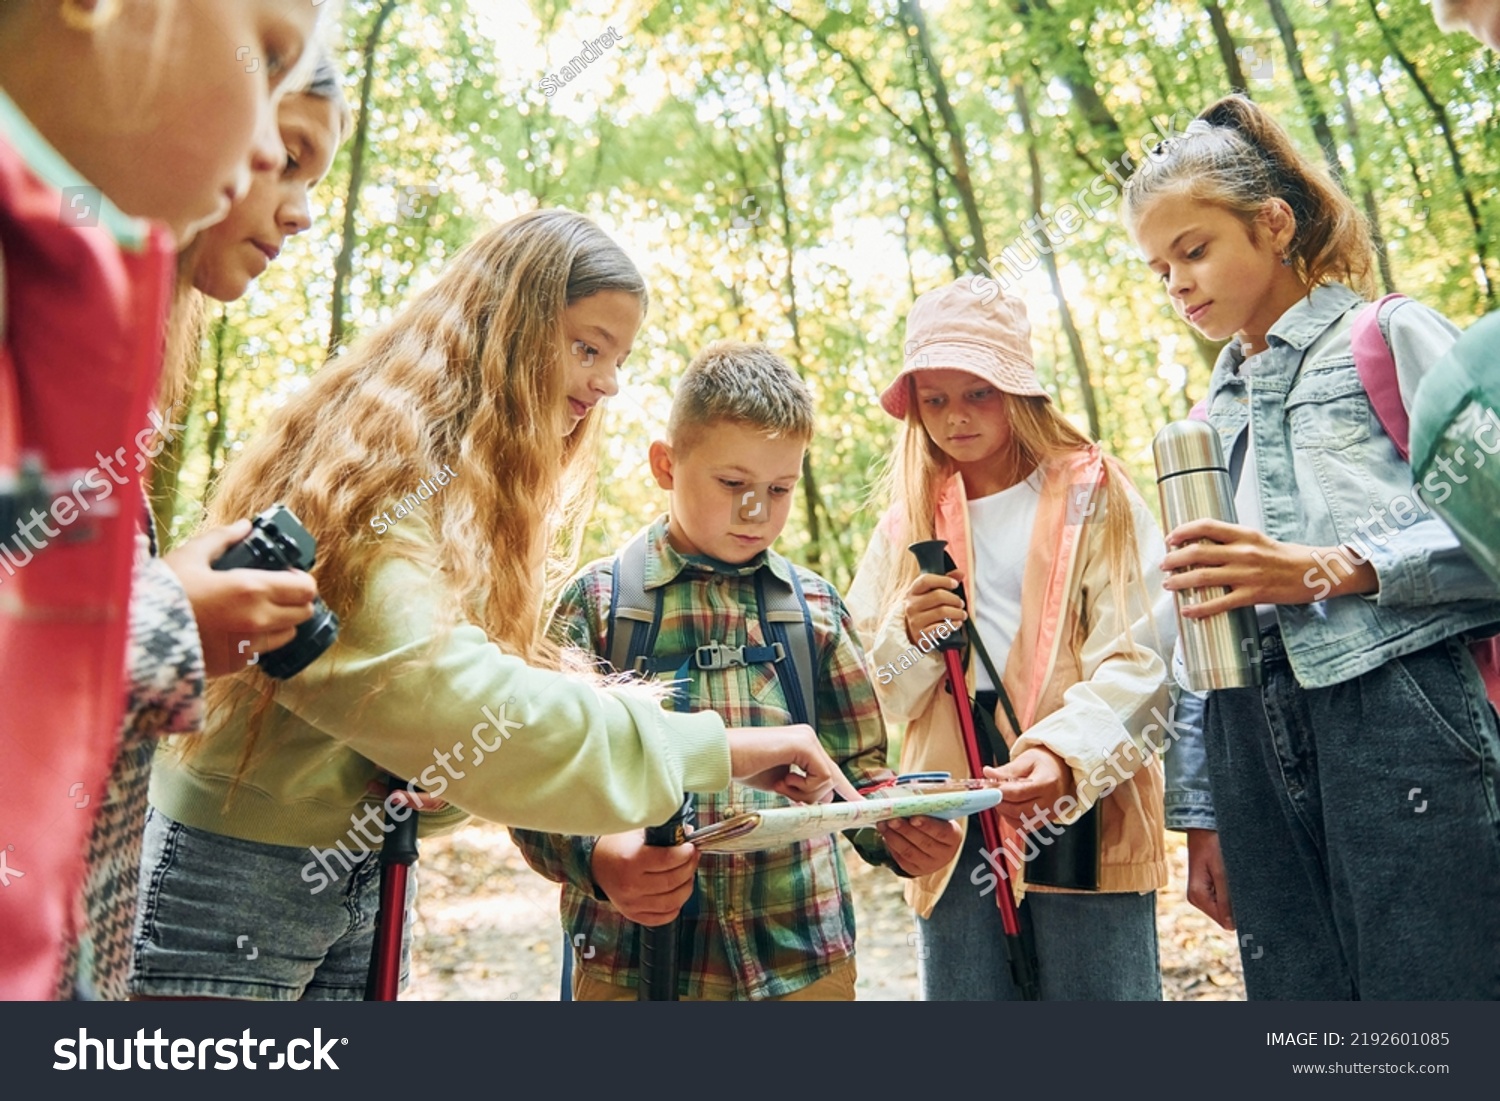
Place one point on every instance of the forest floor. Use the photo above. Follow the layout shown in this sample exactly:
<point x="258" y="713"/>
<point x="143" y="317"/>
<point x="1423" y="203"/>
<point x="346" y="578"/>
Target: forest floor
<point x="487" y="929"/>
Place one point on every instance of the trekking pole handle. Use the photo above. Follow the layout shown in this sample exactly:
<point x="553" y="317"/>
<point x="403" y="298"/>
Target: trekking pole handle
<point x="932" y="557"/>
<point x="400" y="845"/>
<point x="658" y="977"/>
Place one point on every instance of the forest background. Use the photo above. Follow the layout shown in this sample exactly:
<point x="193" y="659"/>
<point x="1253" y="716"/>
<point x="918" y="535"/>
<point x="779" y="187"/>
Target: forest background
<point x="798" y="172"/>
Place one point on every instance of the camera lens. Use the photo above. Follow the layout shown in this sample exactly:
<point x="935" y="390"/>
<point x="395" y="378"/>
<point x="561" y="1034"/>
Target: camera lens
<point x="278" y="541"/>
<point x="313" y="637"/>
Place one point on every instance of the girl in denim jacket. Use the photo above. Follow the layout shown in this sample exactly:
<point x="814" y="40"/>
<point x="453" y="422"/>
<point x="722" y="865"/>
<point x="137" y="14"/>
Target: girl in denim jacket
<point x="1355" y="791"/>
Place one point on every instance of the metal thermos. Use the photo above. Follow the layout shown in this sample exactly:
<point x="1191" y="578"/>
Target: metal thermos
<point x="1222" y="651"/>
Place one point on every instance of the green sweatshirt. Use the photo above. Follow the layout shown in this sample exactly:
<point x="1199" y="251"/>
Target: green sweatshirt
<point x="469" y="724"/>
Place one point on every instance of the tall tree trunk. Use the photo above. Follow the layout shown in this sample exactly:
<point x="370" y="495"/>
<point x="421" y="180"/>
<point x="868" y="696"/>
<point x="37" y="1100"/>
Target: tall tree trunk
<point x="1322" y="132"/>
<point x="940" y="219"/>
<point x="911" y="273"/>
<point x="816" y="509"/>
<point x="935" y="179"/>
<point x="1445" y="127"/>
<point x="216" y="430"/>
<point x="1413" y="162"/>
<point x="924" y="140"/>
<point x="343" y="266"/>
<point x="1366" y="194"/>
<point x="1071" y="65"/>
<point x="1075" y="341"/>
<point x="958" y="152"/>
<point x="1225" y="41"/>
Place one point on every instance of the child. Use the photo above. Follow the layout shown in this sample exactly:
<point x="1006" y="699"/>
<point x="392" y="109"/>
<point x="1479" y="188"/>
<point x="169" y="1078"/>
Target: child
<point x="264" y="825"/>
<point x="1355" y="790"/>
<point x="105" y="117"/>
<point x="185" y="617"/>
<point x="313" y="123"/>
<point x="1050" y="541"/>
<point x="1457" y="399"/>
<point x="778" y="924"/>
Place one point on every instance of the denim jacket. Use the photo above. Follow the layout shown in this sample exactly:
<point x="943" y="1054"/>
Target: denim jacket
<point x="1329" y="475"/>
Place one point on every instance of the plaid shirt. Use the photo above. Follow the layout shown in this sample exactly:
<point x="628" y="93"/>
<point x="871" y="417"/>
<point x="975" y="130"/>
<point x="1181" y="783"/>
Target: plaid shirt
<point x="759" y="924"/>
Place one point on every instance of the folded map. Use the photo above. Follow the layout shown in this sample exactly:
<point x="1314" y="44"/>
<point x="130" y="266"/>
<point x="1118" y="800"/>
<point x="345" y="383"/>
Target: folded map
<point x="780" y="826"/>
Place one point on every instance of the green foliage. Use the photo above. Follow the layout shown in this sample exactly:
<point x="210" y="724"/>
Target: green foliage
<point x="782" y="171"/>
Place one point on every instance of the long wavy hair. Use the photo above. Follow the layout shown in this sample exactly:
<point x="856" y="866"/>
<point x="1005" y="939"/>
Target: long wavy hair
<point x="468" y="373"/>
<point x="1039" y="434"/>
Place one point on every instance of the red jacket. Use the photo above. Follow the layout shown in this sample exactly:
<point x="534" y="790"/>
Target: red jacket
<point x="82" y="315"/>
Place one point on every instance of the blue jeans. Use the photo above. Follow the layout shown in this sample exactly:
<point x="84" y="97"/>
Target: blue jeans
<point x="1360" y="829"/>
<point x="1089" y="947"/>
<point x="219" y="917"/>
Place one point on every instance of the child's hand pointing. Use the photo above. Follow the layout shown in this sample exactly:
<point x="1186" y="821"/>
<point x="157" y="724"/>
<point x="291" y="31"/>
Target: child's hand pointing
<point x="764" y="756"/>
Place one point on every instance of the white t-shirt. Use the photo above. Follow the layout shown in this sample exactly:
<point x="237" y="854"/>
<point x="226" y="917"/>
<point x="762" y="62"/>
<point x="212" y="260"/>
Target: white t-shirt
<point x="1001" y="526"/>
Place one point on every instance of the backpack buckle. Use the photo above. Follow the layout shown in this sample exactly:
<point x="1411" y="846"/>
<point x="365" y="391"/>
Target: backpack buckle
<point x="717" y="656"/>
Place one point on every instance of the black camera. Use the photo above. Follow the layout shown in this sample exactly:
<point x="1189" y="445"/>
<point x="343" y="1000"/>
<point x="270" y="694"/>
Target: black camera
<point x="278" y="541"/>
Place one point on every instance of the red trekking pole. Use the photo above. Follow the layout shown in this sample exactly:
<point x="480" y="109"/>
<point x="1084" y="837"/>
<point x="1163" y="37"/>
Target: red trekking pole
<point x="932" y="557"/>
<point x="397" y="853"/>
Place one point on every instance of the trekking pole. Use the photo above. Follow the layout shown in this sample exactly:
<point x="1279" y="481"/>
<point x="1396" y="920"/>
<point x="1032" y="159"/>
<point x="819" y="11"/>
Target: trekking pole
<point x="658" y="978"/>
<point x="932" y="557"/>
<point x="397" y="853"/>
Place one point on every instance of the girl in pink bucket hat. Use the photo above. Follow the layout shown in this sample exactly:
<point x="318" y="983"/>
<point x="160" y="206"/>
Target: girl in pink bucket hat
<point x="1053" y="547"/>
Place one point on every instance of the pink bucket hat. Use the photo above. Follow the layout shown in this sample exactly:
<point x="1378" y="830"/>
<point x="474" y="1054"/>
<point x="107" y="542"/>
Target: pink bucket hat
<point x="966" y="328"/>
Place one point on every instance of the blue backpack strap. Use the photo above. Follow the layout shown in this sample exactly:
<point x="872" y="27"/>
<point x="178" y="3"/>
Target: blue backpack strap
<point x="781" y="606"/>
<point x="628" y="601"/>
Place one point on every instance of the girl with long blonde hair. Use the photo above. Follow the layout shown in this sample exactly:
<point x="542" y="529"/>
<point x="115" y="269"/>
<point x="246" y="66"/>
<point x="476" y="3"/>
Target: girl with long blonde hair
<point x="445" y="463"/>
<point x="1054" y="551"/>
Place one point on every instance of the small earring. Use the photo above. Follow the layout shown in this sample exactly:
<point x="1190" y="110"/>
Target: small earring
<point x="1286" y="259"/>
<point x="80" y="16"/>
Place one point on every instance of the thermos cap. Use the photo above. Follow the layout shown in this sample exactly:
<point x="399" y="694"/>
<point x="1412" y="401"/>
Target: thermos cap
<point x="1187" y="445"/>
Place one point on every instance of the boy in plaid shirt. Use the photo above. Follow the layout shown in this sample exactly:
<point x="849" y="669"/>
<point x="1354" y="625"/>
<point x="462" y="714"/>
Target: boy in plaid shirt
<point x="776" y="924"/>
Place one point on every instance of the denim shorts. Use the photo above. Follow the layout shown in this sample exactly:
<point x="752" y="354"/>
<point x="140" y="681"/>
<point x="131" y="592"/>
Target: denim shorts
<point x="219" y="917"/>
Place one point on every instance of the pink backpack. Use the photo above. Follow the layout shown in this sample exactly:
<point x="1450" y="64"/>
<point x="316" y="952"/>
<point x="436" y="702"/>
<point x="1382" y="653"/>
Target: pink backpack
<point x="1376" y="364"/>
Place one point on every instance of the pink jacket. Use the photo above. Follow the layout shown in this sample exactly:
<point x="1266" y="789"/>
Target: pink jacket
<point x="1076" y="689"/>
<point x="82" y="311"/>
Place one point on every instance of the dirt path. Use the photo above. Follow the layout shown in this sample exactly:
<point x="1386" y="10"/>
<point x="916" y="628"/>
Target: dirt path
<point x="487" y="929"/>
